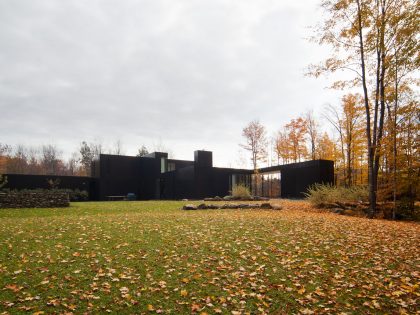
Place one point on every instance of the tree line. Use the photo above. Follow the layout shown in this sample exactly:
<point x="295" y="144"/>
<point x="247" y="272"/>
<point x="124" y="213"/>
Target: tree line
<point x="376" y="42"/>
<point x="48" y="159"/>
<point x="303" y="139"/>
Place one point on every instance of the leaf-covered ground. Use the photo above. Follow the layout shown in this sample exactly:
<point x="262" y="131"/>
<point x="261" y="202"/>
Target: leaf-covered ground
<point x="152" y="257"/>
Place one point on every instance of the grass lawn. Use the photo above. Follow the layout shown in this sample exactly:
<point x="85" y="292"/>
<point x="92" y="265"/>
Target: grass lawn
<point x="152" y="257"/>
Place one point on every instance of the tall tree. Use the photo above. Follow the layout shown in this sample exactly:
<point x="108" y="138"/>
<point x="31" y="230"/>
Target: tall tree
<point x="118" y="148"/>
<point x="34" y="165"/>
<point x="88" y="153"/>
<point x="325" y="148"/>
<point x="296" y="131"/>
<point x="312" y="129"/>
<point x="73" y="164"/>
<point x="5" y="150"/>
<point x="142" y="151"/>
<point x="256" y="142"/>
<point x="333" y="116"/>
<point x="360" y="33"/>
<point x="404" y="48"/>
<point x="50" y="159"/>
<point x="282" y="147"/>
<point x="352" y="119"/>
<point x="18" y="162"/>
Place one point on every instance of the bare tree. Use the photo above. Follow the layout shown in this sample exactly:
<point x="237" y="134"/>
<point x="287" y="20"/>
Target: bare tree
<point x="34" y="166"/>
<point x="50" y="159"/>
<point x="142" y="151"/>
<point x="5" y="151"/>
<point x="88" y="153"/>
<point x="73" y="164"/>
<point x="18" y="162"/>
<point x="256" y="142"/>
<point x="160" y="147"/>
<point x="118" y="148"/>
<point x="312" y="128"/>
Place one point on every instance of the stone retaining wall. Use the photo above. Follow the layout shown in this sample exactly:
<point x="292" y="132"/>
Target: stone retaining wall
<point x="34" y="200"/>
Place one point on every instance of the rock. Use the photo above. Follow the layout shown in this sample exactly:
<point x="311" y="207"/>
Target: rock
<point x="349" y="212"/>
<point x="277" y="207"/>
<point x="338" y="210"/>
<point x="230" y="206"/>
<point x="227" y="198"/>
<point x="217" y="198"/>
<point x="201" y="206"/>
<point x="342" y="205"/>
<point x="258" y="198"/>
<point x="189" y="207"/>
<point x="266" y="205"/>
<point x="214" y="207"/>
<point x="351" y="205"/>
<point x="184" y="199"/>
<point x="244" y="206"/>
<point x="329" y="205"/>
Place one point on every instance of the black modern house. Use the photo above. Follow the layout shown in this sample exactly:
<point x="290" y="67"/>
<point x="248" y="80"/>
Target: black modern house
<point x="155" y="176"/>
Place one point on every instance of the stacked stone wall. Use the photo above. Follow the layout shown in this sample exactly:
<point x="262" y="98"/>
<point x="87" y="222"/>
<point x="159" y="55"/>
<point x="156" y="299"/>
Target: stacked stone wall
<point x="43" y="199"/>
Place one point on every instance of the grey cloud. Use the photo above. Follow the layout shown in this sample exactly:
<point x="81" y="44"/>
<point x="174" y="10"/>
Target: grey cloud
<point x="190" y="72"/>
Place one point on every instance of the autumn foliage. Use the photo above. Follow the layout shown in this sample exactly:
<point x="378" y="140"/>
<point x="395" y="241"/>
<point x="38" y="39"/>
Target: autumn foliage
<point x="376" y="43"/>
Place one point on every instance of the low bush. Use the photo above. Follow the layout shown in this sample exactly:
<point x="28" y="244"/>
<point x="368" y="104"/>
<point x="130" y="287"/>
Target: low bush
<point x="3" y="181"/>
<point x="241" y="192"/>
<point x="76" y="195"/>
<point x="406" y="209"/>
<point x="320" y="194"/>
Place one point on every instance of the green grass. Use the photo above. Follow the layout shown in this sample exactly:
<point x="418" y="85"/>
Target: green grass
<point x="152" y="257"/>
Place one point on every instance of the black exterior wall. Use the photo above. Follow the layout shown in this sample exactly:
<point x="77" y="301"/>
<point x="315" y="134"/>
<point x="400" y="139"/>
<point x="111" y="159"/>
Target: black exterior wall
<point x="296" y="178"/>
<point x="157" y="177"/>
<point x="120" y="175"/>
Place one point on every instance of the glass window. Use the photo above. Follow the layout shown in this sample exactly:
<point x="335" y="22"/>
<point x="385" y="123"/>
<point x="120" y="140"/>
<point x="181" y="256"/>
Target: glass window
<point x="162" y="165"/>
<point x="171" y="166"/>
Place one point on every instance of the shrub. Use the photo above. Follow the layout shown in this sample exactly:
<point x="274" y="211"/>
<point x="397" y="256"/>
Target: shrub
<point x="320" y="194"/>
<point x="76" y="195"/>
<point x="3" y="181"/>
<point x="53" y="183"/>
<point x="241" y="192"/>
<point x="406" y="209"/>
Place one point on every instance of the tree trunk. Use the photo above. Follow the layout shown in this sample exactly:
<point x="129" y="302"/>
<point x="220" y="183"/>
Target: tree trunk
<point x="371" y="177"/>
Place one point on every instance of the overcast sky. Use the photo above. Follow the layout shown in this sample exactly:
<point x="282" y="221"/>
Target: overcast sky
<point x="188" y="74"/>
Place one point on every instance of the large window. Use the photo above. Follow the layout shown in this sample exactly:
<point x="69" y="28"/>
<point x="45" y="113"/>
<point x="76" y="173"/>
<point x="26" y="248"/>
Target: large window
<point x="163" y="165"/>
<point x="266" y="185"/>
<point x="239" y="179"/>
<point x="171" y="166"/>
